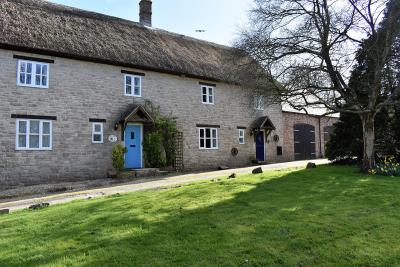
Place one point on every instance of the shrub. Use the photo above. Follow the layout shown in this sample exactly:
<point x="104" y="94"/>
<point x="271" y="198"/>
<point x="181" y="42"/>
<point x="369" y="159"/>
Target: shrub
<point x="388" y="167"/>
<point x="153" y="150"/>
<point x="118" y="157"/>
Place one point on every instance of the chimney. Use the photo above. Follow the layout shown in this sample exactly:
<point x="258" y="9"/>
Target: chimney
<point x="145" y="12"/>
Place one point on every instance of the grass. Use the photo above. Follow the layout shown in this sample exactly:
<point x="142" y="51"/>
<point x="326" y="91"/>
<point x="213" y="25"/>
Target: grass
<point x="329" y="216"/>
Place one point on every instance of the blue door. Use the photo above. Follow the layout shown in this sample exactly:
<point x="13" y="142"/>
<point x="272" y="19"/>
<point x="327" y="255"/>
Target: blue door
<point x="260" y="151"/>
<point x="133" y="142"/>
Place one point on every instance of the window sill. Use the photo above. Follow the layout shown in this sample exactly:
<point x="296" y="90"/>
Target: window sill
<point x="133" y="95"/>
<point x="33" y="86"/>
<point x="33" y="149"/>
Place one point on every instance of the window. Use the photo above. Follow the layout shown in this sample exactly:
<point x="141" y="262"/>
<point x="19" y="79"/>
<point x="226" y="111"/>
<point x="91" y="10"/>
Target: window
<point x="97" y="133"/>
<point x="259" y="102"/>
<point x="33" y="74"/>
<point x="34" y="135"/>
<point x="208" y="138"/>
<point x="207" y="94"/>
<point x="133" y="85"/>
<point x="241" y="136"/>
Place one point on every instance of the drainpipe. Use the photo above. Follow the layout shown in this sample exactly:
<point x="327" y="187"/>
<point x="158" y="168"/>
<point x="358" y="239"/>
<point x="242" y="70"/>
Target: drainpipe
<point x="320" y="139"/>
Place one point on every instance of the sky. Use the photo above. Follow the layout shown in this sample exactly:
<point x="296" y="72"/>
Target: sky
<point x="221" y="19"/>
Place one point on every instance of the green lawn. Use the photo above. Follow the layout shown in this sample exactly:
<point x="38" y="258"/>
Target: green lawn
<point x="330" y="216"/>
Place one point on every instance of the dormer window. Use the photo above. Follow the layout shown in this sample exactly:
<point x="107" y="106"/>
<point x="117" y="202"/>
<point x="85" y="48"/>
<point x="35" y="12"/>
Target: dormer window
<point x="207" y="94"/>
<point x="133" y="85"/>
<point x="33" y="74"/>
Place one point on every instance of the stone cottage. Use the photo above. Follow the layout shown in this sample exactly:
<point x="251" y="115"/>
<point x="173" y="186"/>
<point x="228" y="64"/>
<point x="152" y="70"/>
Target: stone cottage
<point x="74" y="83"/>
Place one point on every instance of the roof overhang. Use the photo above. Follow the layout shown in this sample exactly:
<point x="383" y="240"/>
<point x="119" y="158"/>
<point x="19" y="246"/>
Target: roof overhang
<point x="262" y="123"/>
<point x="135" y="114"/>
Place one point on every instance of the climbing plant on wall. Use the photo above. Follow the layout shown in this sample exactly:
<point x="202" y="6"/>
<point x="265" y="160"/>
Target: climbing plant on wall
<point x="159" y="143"/>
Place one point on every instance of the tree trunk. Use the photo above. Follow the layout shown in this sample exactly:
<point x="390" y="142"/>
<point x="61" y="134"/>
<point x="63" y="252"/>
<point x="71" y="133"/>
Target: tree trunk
<point x="368" y="122"/>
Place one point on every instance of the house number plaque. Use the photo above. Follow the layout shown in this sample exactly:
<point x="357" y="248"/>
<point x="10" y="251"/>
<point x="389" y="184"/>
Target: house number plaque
<point x="112" y="139"/>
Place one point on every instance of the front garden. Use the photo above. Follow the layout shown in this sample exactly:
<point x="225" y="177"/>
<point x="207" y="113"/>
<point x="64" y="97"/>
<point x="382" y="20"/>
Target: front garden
<point x="329" y="216"/>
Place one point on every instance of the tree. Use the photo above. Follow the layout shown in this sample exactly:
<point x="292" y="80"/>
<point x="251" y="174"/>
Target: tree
<point x="346" y="143"/>
<point x="309" y="47"/>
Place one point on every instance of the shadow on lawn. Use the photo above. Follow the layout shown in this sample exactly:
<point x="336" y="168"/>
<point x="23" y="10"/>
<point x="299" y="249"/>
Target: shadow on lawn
<point x="308" y="217"/>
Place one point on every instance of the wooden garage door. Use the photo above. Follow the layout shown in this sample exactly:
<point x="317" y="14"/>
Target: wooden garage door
<point x="304" y="141"/>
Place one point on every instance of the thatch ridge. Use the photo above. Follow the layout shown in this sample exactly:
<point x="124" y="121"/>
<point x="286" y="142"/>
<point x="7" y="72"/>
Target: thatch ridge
<point x="66" y="31"/>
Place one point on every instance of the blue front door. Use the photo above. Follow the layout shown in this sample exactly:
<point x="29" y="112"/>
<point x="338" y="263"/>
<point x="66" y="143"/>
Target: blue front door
<point x="260" y="151"/>
<point x="133" y="142"/>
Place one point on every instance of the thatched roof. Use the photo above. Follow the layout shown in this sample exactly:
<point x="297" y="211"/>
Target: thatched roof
<point x="57" y="30"/>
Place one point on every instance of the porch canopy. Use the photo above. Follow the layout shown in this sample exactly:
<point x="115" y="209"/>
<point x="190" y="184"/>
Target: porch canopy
<point x="135" y="114"/>
<point x="262" y="123"/>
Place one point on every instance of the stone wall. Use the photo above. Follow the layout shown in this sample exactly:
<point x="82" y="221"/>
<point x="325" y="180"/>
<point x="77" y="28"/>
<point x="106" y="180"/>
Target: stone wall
<point x="81" y="90"/>
<point x="291" y="118"/>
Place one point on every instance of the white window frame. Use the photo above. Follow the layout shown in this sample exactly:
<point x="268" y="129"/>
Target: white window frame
<point x="211" y="138"/>
<point x="133" y="77"/>
<point x="210" y="93"/>
<point x="94" y="132"/>
<point x="33" y="74"/>
<point x="259" y="102"/>
<point x="242" y="135"/>
<point x="27" y="134"/>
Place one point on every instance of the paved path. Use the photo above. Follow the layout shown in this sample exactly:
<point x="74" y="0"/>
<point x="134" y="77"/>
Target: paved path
<point x="144" y="184"/>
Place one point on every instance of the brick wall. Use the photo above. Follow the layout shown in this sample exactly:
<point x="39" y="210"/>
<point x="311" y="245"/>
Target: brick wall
<point x="81" y="90"/>
<point x="291" y="118"/>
